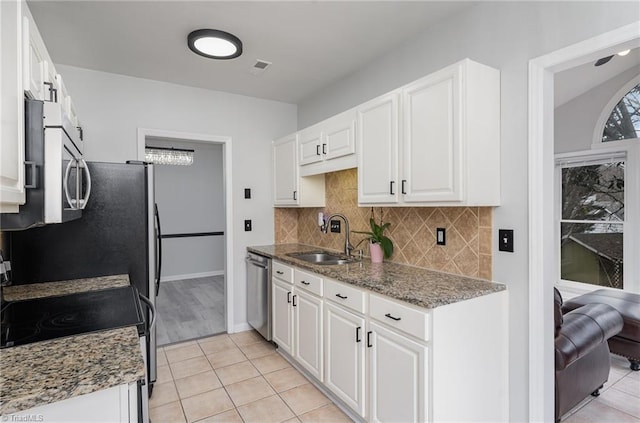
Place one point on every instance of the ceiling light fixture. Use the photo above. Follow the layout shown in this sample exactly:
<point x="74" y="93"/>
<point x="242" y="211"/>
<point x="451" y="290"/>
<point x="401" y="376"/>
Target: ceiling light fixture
<point x="624" y="52"/>
<point x="214" y="44"/>
<point x="168" y="156"/>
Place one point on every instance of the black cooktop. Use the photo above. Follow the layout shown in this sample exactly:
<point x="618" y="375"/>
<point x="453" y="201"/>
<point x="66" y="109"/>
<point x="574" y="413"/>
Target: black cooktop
<point x="40" y="319"/>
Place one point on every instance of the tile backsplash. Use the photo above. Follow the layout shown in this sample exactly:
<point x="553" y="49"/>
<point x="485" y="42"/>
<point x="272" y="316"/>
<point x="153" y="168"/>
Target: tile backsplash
<point x="413" y="229"/>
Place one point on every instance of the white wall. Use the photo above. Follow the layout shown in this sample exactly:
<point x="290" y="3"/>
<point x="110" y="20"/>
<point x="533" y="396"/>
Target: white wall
<point x="575" y="121"/>
<point x="505" y="35"/>
<point x="191" y="199"/>
<point x="113" y="107"/>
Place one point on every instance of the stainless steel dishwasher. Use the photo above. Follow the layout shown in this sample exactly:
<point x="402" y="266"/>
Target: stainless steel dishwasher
<point x="259" y="293"/>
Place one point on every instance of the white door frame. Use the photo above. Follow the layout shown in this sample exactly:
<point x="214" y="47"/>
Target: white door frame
<point x="543" y="266"/>
<point x="143" y="133"/>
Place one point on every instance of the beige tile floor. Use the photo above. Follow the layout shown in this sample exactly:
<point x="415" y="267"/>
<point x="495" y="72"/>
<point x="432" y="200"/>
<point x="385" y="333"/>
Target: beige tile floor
<point x="234" y="378"/>
<point x="619" y="399"/>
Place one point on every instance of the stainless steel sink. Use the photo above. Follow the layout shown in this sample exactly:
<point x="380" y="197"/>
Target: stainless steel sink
<point x="322" y="258"/>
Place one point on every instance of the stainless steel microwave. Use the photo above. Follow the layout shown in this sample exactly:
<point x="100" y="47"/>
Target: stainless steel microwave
<point x="57" y="179"/>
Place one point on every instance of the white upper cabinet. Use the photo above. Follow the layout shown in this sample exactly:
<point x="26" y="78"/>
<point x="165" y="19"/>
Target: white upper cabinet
<point x="378" y="150"/>
<point x="289" y="188"/>
<point x="33" y="56"/>
<point x="432" y="156"/>
<point x="329" y="146"/>
<point x="12" y="191"/>
<point x="449" y="142"/>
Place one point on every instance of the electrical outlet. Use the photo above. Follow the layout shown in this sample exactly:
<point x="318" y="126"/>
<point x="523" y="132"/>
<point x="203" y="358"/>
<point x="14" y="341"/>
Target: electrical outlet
<point x="335" y="226"/>
<point x="247" y="225"/>
<point x="441" y="236"/>
<point x="505" y="240"/>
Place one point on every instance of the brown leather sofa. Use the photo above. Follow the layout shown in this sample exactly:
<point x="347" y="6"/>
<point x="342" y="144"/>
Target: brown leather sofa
<point x="627" y="342"/>
<point x="582" y="357"/>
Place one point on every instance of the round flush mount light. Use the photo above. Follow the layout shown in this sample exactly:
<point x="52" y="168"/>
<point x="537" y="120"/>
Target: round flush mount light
<point x="214" y="44"/>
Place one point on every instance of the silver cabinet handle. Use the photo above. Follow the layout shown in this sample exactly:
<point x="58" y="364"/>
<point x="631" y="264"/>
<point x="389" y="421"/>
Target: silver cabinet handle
<point x="85" y="200"/>
<point x="65" y="184"/>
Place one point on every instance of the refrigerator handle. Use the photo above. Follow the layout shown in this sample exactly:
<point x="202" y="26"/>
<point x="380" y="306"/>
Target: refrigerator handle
<point x="157" y="216"/>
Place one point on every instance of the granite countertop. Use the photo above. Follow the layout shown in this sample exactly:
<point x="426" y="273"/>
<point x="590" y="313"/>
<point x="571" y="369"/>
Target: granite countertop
<point x="414" y="285"/>
<point x="49" y="371"/>
<point x="50" y="289"/>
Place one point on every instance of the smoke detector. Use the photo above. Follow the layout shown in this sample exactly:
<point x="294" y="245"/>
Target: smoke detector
<point x="259" y="67"/>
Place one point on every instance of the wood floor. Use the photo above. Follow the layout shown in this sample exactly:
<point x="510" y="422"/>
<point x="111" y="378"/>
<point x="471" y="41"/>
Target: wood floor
<point x="190" y="309"/>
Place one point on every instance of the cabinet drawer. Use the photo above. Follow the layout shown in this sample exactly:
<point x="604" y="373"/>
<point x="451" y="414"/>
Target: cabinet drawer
<point x="308" y="281"/>
<point x="402" y="317"/>
<point x="345" y="295"/>
<point x="282" y="271"/>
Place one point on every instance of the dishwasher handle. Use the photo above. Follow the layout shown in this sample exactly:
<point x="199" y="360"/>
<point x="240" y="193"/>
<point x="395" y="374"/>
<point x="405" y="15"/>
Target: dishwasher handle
<point x="256" y="263"/>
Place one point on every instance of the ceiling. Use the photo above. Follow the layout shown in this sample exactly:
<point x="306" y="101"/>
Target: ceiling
<point x="573" y="82"/>
<point x="311" y="43"/>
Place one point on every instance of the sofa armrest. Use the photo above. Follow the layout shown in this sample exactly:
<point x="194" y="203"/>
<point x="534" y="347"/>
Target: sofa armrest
<point x="582" y="330"/>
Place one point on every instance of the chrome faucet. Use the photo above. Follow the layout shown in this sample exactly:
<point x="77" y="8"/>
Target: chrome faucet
<point x="347" y="244"/>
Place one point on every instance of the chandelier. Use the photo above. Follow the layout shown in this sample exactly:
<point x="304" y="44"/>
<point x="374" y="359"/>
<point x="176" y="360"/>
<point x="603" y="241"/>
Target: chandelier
<point x="168" y="156"/>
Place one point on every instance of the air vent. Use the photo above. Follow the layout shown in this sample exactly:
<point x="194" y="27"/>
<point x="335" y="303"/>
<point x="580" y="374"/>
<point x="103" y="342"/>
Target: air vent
<point x="259" y="67"/>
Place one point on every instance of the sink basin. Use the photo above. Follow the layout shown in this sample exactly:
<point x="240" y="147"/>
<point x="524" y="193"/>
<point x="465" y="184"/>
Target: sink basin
<point x="322" y="258"/>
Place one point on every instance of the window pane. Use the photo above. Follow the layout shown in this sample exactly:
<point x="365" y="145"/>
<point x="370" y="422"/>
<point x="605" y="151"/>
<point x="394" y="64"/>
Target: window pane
<point x="592" y="253"/>
<point x="594" y="192"/>
<point x="624" y="121"/>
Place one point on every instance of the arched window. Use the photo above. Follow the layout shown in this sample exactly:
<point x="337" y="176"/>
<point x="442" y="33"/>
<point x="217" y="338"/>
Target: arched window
<point x="623" y="122"/>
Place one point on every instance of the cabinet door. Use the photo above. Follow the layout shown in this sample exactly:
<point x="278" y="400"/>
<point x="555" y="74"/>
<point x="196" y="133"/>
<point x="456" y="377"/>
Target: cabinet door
<point x="432" y="138"/>
<point x="33" y="59"/>
<point x="310" y="145"/>
<point x="344" y="352"/>
<point x="378" y="150"/>
<point x="307" y="310"/>
<point x="11" y="107"/>
<point x="339" y="135"/>
<point x="285" y="171"/>
<point x="282" y="317"/>
<point x="398" y="375"/>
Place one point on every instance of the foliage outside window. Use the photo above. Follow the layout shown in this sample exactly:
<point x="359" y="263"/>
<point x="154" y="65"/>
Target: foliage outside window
<point x="592" y="223"/>
<point x="624" y="120"/>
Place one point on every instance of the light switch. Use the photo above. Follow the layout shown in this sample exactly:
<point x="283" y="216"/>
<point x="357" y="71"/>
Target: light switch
<point x="505" y="240"/>
<point x="247" y="225"/>
<point x="441" y="236"/>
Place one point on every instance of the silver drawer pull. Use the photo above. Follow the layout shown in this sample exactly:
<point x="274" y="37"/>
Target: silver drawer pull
<point x="341" y="296"/>
<point x="305" y="283"/>
<point x="392" y="318"/>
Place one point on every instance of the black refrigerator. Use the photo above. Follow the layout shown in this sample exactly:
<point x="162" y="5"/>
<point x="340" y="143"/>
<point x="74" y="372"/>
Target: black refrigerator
<point x="118" y="233"/>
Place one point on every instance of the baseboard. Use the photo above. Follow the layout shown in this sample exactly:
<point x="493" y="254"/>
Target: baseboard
<point x="191" y="276"/>
<point x="242" y="327"/>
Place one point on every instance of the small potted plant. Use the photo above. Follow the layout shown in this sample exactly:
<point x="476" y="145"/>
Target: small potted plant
<point x="379" y="244"/>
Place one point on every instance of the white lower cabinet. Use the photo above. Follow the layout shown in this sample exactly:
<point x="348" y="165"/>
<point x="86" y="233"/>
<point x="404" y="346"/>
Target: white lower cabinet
<point x="307" y="336"/>
<point x="390" y="361"/>
<point x="345" y="356"/>
<point x="282" y="326"/>
<point x="397" y="377"/>
<point x="117" y="404"/>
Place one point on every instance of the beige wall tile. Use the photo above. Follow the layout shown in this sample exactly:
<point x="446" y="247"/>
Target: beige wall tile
<point x="412" y="228"/>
